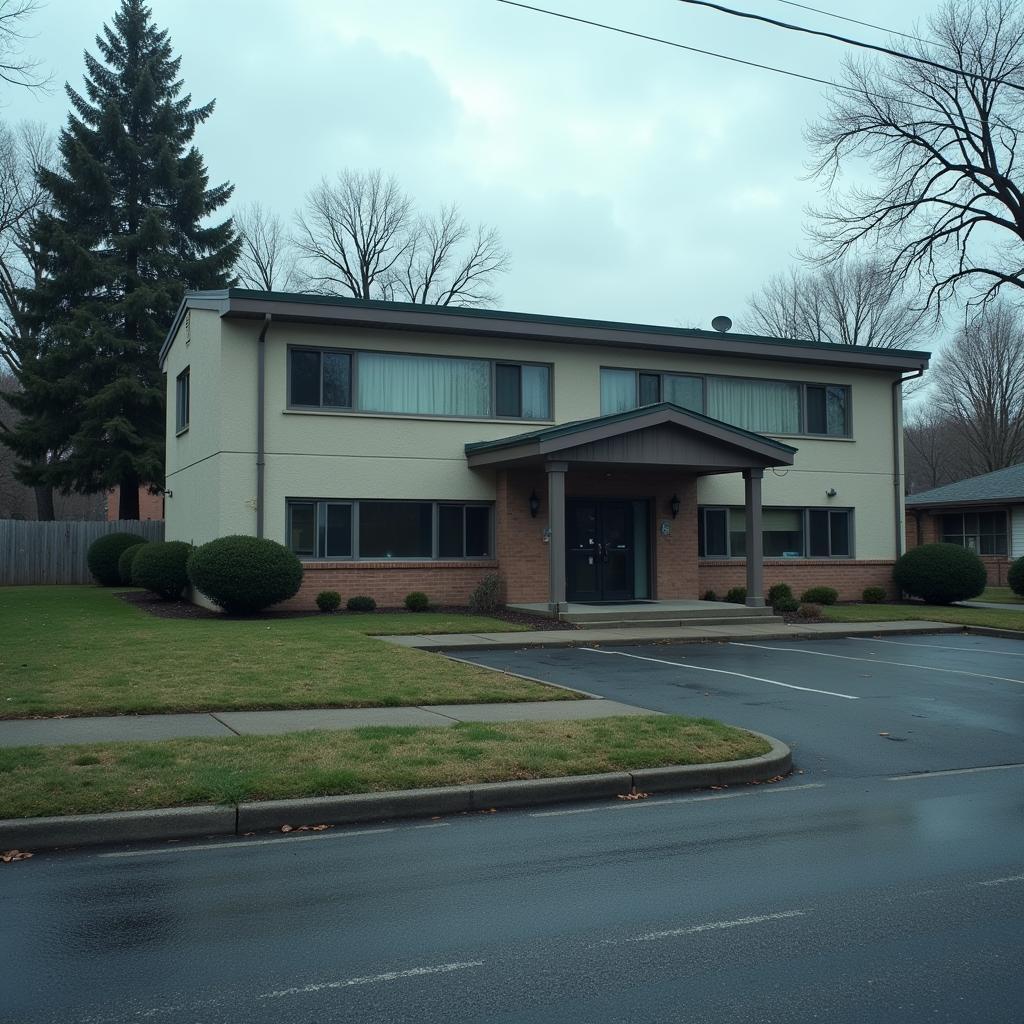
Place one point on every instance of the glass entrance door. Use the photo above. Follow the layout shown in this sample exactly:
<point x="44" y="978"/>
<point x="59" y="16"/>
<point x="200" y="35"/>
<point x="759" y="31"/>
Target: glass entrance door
<point x="599" y="550"/>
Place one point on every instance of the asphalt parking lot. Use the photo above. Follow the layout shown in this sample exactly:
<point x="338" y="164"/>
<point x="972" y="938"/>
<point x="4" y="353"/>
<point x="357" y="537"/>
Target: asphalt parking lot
<point x="849" y="708"/>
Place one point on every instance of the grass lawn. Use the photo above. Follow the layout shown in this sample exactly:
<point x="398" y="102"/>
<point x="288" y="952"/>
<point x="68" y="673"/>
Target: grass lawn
<point x="126" y="776"/>
<point x="1000" y="595"/>
<point x="84" y="651"/>
<point x="998" y="617"/>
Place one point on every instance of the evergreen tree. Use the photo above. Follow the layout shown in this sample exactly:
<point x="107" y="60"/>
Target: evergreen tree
<point x="125" y="236"/>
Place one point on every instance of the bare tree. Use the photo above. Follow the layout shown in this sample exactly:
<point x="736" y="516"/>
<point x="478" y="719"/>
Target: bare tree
<point x="17" y="67"/>
<point x="849" y="303"/>
<point x="266" y="260"/>
<point x="947" y="204"/>
<point x="936" y="450"/>
<point x="360" y="235"/>
<point x="979" y="384"/>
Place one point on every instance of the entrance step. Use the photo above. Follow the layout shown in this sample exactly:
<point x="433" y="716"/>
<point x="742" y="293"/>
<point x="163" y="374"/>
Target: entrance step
<point x="731" y="620"/>
<point x="663" y="611"/>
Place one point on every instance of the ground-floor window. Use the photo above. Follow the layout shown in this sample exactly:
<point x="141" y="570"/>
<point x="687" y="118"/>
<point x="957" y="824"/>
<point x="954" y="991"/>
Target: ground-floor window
<point x="379" y="530"/>
<point x="983" y="532"/>
<point x="786" y="532"/>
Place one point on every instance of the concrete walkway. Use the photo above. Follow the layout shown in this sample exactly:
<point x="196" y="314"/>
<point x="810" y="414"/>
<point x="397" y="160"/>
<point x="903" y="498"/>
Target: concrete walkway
<point x="676" y="634"/>
<point x="116" y="728"/>
<point x="1003" y="606"/>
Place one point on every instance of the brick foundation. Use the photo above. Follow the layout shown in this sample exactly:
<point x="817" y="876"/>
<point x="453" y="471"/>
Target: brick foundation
<point x="849" y="578"/>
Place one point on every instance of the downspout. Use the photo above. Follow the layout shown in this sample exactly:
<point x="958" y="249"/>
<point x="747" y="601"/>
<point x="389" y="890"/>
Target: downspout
<point x="261" y="428"/>
<point x="897" y="459"/>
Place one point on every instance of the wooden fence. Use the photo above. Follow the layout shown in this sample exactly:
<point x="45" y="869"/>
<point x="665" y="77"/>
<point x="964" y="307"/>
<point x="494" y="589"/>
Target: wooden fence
<point x="32" y="552"/>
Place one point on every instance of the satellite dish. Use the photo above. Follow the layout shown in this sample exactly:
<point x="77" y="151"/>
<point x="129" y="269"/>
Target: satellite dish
<point x="722" y="324"/>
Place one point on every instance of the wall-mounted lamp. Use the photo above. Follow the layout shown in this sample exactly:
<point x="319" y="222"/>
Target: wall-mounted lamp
<point x="674" y="505"/>
<point x="534" y="504"/>
<point x="831" y="492"/>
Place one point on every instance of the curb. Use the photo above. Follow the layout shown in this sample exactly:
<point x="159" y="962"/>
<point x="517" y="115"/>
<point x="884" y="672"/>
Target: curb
<point x="1008" y="634"/>
<point x="190" y="822"/>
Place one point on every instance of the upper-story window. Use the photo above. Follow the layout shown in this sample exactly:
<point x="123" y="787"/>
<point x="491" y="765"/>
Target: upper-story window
<point x="764" y="406"/>
<point x="182" y="400"/>
<point x="415" y="385"/>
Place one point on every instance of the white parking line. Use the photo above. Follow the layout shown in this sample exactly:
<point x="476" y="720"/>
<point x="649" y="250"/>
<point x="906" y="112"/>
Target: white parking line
<point x="671" y="933"/>
<point x="877" y="661"/>
<point x="373" y="979"/>
<point x="937" y="647"/>
<point x="1003" y="881"/>
<point x="228" y="845"/>
<point x="722" y="672"/>
<point x="954" y="771"/>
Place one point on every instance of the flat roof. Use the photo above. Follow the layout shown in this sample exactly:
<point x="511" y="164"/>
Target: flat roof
<point x="294" y="307"/>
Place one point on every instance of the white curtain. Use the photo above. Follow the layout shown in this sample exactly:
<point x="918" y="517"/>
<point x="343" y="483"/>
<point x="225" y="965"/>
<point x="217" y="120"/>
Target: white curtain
<point x="618" y="391"/>
<point x="429" y="385"/>
<point x="686" y="392"/>
<point x="765" y="406"/>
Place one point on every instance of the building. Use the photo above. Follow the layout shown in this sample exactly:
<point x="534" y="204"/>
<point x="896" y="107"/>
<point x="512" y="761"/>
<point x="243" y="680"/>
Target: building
<point x="984" y="513"/>
<point x="401" y="447"/>
<point x="151" y="506"/>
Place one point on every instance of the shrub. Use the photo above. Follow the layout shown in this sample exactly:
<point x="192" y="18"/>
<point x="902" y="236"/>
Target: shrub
<point x="709" y="595"/>
<point x="1015" y="577"/>
<point x="328" y="600"/>
<point x="940" y="573"/>
<point x="160" y="568"/>
<point x="873" y="595"/>
<point x="244" y="574"/>
<point x="820" y="595"/>
<point x="488" y="595"/>
<point x="124" y="563"/>
<point x="417" y="601"/>
<point x="105" y="552"/>
<point x="809" y="611"/>
<point x="779" y="592"/>
<point x="737" y="595"/>
<point x="786" y="605"/>
<point x="361" y="603"/>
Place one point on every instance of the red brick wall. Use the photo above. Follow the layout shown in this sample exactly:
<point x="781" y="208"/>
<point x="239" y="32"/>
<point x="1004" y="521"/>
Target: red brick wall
<point x="849" y="578"/>
<point x="151" y="506"/>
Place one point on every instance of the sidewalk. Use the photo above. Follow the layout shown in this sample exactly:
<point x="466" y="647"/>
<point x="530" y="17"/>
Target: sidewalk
<point x="117" y="728"/>
<point x="678" y="634"/>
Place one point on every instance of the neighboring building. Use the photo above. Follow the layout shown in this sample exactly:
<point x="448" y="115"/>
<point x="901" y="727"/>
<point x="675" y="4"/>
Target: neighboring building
<point x="984" y="513"/>
<point x="401" y="447"/>
<point x="151" y="506"/>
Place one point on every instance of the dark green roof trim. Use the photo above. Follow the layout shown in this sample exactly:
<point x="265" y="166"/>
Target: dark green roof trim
<point x="578" y="426"/>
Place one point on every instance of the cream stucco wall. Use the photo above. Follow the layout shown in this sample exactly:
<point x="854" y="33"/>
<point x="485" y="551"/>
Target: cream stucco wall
<point x="352" y="455"/>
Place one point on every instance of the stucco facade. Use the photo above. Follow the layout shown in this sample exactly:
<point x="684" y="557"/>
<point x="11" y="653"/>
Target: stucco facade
<point x="212" y="484"/>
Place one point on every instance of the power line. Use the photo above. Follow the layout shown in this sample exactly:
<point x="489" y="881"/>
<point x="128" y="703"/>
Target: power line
<point x="775" y="23"/>
<point x="864" y="24"/>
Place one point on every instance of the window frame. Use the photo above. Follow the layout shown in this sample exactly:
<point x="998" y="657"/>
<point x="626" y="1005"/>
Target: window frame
<point x="183" y="383"/>
<point x="944" y="534"/>
<point x="705" y="377"/>
<point x="319" y="521"/>
<point x="353" y="409"/>
<point x="805" y="518"/>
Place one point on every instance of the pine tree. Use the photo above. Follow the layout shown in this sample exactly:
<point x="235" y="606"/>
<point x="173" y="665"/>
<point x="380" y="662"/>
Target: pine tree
<point x="125" y="236"/>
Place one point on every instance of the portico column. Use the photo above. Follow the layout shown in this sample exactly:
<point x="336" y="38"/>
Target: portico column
<point x="755" y="538"/>
<point x="556" y="540"/>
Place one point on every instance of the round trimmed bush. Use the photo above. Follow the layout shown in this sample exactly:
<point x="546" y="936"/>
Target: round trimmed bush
<point x="873" y="595"/>
<point x="1015" y="577"/>
<point x="785" y="606"/>
<point x="780" y="592"/>
<point x="104" y="554"/>
<point x="244" y="574"/>
<point x="361" y="603"/>
<point x="809" y="611"/>
<point x="737" y="595"/>
<point x="940" y="573"/>
<point x="820" y="595"/>
<point x="160" y="568"/>
<point x="709" y="595"/>
<point x="328" y="601"/>
<point x="126" y="561"/>
<point x="417" y="601"/>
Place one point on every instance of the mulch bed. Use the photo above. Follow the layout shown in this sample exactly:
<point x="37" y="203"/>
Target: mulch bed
<point x="186" y="610"/>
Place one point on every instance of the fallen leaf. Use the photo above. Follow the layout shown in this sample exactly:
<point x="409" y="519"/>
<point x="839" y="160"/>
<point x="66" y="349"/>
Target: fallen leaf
<point x="9" y="856"/>
<point x="287" y="828"/>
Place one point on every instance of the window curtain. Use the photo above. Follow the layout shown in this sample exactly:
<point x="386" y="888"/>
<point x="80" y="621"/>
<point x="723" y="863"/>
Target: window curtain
<point x="618" y="391"/>
<point x="835" y="411"/>
<point x="686" y="392"/>
<point x="424" y="384"/>
<point x="536" y="393"/>
<point x="765" y="406"/>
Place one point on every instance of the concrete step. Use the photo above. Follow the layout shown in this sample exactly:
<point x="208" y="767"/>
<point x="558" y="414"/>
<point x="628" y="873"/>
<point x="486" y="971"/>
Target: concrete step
<point x="672" y="623"/>
<point x="655" y="613"/>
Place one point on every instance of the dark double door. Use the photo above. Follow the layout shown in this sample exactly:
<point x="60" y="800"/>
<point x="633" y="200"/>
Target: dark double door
<point x="599" y="550"/>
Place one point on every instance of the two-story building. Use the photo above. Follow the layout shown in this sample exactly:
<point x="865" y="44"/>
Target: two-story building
<point x="397" y="447"/>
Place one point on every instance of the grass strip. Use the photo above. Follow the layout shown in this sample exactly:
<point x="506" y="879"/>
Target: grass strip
<point x="998" y="617"/>
<point x="97" y="777"/>
<point x="83" y="651"/>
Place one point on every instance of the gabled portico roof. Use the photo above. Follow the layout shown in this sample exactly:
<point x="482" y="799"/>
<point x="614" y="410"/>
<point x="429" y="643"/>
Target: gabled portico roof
<point x="653" y="435"/>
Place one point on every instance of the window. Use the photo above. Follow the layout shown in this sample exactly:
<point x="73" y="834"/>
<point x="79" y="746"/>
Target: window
<point x="417" y="385"/>
<point x="388" y="529"/>
<point x="764" y="406"/>
<point x="182" y="398"/>
<point x="786" y="533"/>
<point x="982" y="532"/>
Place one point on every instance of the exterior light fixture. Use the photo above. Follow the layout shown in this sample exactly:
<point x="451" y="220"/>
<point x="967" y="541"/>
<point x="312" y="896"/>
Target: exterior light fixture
<point x="534" y="504"/>
<point x="831" y="492"/>
<point x="674" y="505"/>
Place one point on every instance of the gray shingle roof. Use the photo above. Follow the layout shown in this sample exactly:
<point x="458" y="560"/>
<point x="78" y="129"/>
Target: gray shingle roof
<point x="1002" y="485"/>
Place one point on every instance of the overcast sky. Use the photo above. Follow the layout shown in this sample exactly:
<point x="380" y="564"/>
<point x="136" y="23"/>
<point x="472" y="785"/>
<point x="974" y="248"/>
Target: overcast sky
<point x="630" y="181"/>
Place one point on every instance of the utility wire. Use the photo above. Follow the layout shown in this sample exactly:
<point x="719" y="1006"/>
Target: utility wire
<point x="775" y="23"/>
<point x="864" y="24"/>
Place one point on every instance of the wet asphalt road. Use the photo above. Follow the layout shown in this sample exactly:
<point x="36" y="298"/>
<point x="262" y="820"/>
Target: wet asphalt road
<point x="846" y="894"/>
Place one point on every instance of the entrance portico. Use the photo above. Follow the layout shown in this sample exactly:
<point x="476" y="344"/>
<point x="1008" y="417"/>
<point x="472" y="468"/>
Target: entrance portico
<point x="619" y="490"/>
